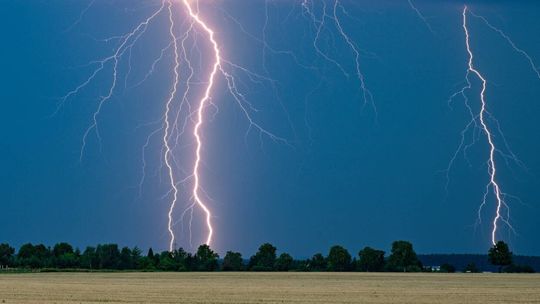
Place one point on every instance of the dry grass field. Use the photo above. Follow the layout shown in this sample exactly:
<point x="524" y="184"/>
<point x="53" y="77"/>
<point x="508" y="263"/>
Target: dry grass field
<point x="306" y="288"/>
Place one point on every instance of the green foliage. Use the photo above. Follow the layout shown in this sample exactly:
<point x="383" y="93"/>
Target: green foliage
<point x="167" y="262"/>
<point x="403" y="258"/>
<point x="317" y="263"/>
<point x="232" y="261"/>
<point x="150" y="253"/>
<point x="6" y="255"/>
<point x="61" y="249"/>
<point x="146" y="263"/>
<point x="34" y="257"/>
<point x="206" y="259"/>
<point x="300" y="265"/>
<point x="64" y="256"/>
<point x="264" y="259"/>
<point x="126" y="259"/>
<point x="109" y="256"/>
<point x="370" y="260"/>
<point x="136" y="257"/>
<point x="339" y="259"/>
<point x="284" y="262"/>
<point x="500" y="255"/>
<point x="89" y="258"/>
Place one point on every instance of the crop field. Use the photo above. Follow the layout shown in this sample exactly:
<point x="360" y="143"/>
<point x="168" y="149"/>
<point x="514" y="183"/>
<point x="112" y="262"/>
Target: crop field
<point x="268" y="288"/>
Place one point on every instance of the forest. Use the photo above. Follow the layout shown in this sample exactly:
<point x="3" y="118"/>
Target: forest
<point x="110" y="257"/>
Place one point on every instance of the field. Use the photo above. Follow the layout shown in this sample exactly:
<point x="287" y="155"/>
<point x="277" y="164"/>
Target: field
<point x="268" y="288"/>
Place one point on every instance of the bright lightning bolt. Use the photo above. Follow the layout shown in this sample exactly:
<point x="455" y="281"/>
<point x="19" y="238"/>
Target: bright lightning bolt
<point x="185" y="115"/>
<point x="484" y="123"/>
<point x="492" y="168"/>
<point x="167" y="129"/>
<point x="182" y="111"/>
<point x="481" y="121"/>
<point x="200" y="119"/>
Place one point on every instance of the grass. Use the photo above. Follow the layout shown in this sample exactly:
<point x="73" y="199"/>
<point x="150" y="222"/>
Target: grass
<point x="239" y="288"/>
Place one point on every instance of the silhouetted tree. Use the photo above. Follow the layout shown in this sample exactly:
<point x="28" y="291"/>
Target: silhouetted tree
<point x="339" y="259"/>
<point x="370" y="260"/>
<point x="284" y="262"/>
<point x="167" y="262"/>
<point x="89" y="258"/>
<point x="179" y="256"/>
<point x="150" y="253"/>
<point x="191" y="262"/>
<point x="146" y="263"/>
<point x="403" y="257"/>
<point x="64" y="256"/>
<point x="448" y="268"/>
<point x="149" y="261"/>
<point x="109" y="256"/>
<point x="126" y="259"/>
<point x="207" y="260"/>
<point x="136" y="257"/>
<point x="264" y="259"/>
<point x="62" y="248"/>
<point x="500" y="255"/>
<point x="6" y="255"/>
<point x="300" y="265"/>
<point x="232" y="261"/>
<point x="31" y="256"/>
<point x="471" y="267"/>
<point x="317" y="263"/>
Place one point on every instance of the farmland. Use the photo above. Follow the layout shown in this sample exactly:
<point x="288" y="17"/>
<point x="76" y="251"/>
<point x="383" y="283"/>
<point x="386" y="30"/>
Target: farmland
<point x="222" y="287"/>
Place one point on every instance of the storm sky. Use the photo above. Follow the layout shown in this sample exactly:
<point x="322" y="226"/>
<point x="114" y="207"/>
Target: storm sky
<point x="351" y="174"/>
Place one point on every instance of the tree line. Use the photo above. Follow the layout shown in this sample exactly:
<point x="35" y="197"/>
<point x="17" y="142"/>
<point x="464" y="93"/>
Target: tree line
<point x="402" y="258"/>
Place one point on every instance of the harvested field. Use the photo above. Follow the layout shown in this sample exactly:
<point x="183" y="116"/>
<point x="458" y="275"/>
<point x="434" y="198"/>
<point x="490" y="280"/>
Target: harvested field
<point x="268" y="288"/>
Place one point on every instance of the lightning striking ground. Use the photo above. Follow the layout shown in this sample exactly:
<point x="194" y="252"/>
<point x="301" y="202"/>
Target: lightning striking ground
<point x="167" y="155"/>
<point x="492" y="167"/>
<point x="200" y="119"/>
<point x="182" y="111"/>
<point x="186" y="111"/>
<point x="483" y="122"/>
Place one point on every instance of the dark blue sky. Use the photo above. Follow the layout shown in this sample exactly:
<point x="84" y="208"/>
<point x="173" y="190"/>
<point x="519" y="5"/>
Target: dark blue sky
<point x="349" y="176"/>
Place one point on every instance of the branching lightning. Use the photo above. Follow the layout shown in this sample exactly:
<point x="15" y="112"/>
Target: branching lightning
<point x="166" y="135"/>
<point x="182" y="111"/>
<point x="199" y="61"/>
<point x="200" y="110"/>
<point x="492" y="167"/>
<point x="319" y="23"/>
<point x="483" y="122"/>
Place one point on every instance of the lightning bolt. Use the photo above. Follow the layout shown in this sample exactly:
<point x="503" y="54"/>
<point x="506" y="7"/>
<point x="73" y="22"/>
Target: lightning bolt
<point x="181" y="111"/>
<point x="492" y="167"/>
<point x="185" y="115"/>
<point x="483" y="122"/>
<point x="166" y="135"/>
<point x="200" y="118"/>
<point x="126" y="44"/>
